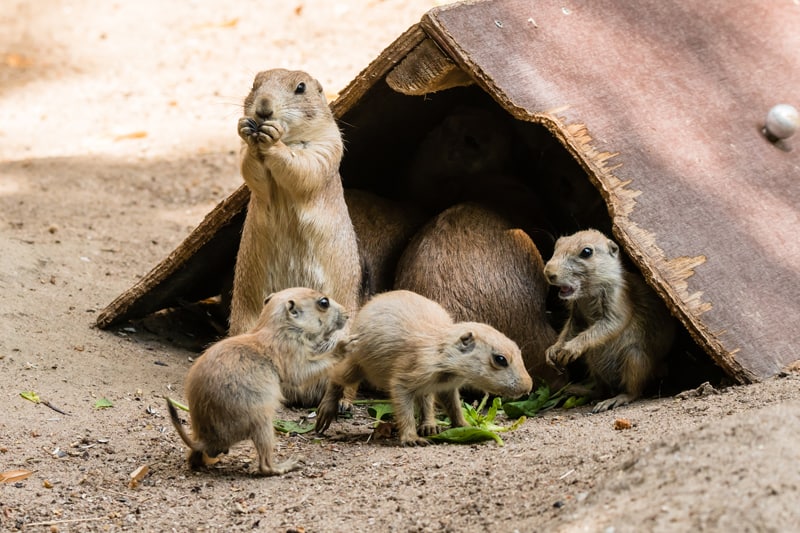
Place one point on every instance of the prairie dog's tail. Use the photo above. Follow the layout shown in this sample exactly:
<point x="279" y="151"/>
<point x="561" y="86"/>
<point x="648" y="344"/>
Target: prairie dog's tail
<point x="176" y="422"/>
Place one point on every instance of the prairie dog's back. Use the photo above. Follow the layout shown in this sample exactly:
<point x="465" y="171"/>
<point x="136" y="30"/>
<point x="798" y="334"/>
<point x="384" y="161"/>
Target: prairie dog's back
<point x="396" y="329"/>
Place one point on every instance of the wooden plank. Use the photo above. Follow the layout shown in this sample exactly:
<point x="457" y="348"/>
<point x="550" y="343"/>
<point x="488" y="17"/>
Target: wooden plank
<point x="662" y="103"/>
<point x="426" y="70"/>
<point x="193" y="271"/>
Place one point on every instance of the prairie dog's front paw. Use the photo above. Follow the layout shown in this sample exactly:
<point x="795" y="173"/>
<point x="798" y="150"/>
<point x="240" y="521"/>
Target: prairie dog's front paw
<point x="269" y="133"/>
<point x="561" y="356"/>
<point x="248" y="130"/>
<point x="261" y="136"/>
<point x="551" y="354"/>
<point x="566" y="355"/>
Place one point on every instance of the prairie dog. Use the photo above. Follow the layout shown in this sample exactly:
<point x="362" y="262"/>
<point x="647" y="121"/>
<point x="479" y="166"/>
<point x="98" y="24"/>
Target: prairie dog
<point x="616" y="323"/>
<point x="297" y="231"/>
<point x="408" y="346"/>
<point x="235" y="387"/>
<point x="480" y="267"/>
<point x="383" y="228"/>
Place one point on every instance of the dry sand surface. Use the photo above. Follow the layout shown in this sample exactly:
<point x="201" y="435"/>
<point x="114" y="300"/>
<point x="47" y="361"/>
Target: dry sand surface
<point x="117" y="135"/>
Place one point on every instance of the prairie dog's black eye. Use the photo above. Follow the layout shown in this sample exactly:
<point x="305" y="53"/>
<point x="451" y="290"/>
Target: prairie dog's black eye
<point x="323" y="303"/>
<point x="586" y="252"/>
<point x="300" y="89"/>
<point x="500" y="360"/>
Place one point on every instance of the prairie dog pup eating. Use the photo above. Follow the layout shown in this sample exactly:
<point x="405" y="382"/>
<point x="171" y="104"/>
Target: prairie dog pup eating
<point x="408" y="346"/>
<point x="297" y="231"/>
<point x="235" y="387"/>
<point x="616" y="323"/>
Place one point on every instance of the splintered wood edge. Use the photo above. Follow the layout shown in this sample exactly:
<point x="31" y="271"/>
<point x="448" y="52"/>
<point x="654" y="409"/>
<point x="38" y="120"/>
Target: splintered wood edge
<point x="377" y="70"/>
<point x="426" y="70"/>
<point x="221" y="215"/>
<point x="668" y="277"/>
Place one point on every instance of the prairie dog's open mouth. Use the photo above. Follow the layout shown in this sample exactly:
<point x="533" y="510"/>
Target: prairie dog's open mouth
<point x="566" y="292"/>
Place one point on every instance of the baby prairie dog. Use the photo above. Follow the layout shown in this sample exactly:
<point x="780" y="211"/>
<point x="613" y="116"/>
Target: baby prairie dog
<point x="409" y="347"/>
<point x="616" y="323"/>
<point x="235" y="387"/>
<point x="297" y="231"/>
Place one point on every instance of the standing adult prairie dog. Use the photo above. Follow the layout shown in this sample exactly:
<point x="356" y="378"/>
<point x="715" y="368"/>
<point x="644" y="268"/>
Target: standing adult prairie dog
<point x="480" y="267"/>
<point x="235" y="387"/>
<point x="616" y="323"/>
<point x="407" y="345"/>
<point x="297" y="231"/>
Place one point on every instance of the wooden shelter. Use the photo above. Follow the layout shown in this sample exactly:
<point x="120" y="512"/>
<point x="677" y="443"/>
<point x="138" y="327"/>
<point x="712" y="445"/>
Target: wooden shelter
<point x="656" y="106"/>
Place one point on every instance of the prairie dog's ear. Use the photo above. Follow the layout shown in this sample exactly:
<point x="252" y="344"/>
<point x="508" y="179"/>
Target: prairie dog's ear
<point x="466" y="342"/>
<point x="291" y="308"/>
<point x="268" y="298"/>
<point x="613" y="248"/>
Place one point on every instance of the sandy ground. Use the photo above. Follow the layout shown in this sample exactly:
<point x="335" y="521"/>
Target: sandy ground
<point x="117" y="134"/>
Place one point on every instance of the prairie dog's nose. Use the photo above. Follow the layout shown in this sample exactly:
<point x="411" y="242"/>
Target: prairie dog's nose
<point x="551" y="276"/>
<point x="264" y="108"/>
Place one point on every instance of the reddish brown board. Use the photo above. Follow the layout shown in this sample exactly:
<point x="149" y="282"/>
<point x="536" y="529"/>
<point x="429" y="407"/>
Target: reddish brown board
<point x="662" y="102"/>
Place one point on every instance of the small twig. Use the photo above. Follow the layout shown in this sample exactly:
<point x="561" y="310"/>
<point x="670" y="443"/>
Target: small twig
<point x="72" y="521"/>
<point x="567" y="473"/>
<point x="54" y="408"/>
<point x="115" y="492"/>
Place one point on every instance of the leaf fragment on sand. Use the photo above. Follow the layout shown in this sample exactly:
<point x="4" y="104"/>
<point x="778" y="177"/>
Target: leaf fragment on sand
<point x="31" y="396"/>
<point x="132" y="135"/>
<point x="467" y="435"/>
<point x="137" y="476"/>
<point x="103" y="403"/>
<point x="288" y="426"/>
<point x="177" y="404"/>
<point x="622" y="423"/>
<point x="14" y="60"/>
<point x="12" y="476"/>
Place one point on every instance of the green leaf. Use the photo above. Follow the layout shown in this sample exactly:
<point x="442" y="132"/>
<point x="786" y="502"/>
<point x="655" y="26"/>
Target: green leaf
<point x="370" y="402"/>
<point x="467" y="435"/>
<point x="575" y="401"/>
<point x="481" y="428"/>
<point x="30" y="396"/>
<point x="536" y="402"/>
<point x="103" y="403"/>
<point x="472" y="416"/>
<point x="177" y="404"/>
<point x="517" y="423"/>
<point x="288" y="426"/>
<point x="491" y="414"/>
<point x="542" y="400"/>
<point x="380" y="410"/>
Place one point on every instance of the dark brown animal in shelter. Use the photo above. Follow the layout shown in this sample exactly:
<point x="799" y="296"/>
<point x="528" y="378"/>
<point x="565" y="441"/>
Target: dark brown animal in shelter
<point x="481" y="268"/>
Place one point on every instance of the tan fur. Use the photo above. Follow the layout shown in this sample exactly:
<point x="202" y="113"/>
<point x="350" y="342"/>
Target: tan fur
<point x="408" y="346"/>
<point x="616" y="323"/>
<point x="297" y="231"/>
<point x="384" y="228"/>
<point x="235" y="387"/>
<point x="481" y="268"/>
